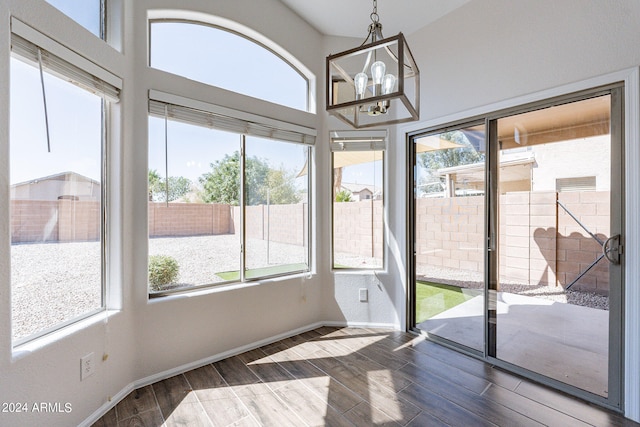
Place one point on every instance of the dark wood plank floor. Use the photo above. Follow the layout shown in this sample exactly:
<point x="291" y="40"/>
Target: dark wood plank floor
<point x="352" y="376"/>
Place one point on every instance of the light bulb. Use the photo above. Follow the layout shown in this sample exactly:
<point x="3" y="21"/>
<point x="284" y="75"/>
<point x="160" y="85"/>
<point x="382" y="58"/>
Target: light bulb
<point x="360" y="81"/>
<point x="388" y="83"/>
<point x="377" y="72"/>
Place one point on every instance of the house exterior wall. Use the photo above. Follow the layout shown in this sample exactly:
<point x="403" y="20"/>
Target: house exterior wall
<point x="570" y="159"/>
<point x="52" y="189"/>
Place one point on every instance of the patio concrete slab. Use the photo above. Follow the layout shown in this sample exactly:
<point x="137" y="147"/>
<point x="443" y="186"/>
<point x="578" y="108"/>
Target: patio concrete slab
<point x="562" y="341"/>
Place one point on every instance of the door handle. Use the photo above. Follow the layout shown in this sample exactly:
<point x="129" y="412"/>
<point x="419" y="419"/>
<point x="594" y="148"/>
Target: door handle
<point x="606" y="251"/>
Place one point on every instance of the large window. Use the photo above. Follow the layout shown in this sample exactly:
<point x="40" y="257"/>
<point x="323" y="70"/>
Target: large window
<point x="224" y="206"/>
<point x="228" y="60"/>
<point x="358" y="202"/>
<point x="57" y="184"/>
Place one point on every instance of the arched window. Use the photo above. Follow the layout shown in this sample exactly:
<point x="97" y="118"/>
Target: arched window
<point x="222" y="58"/>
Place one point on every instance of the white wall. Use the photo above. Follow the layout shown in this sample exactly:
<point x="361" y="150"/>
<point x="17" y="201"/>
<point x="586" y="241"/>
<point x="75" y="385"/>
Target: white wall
<point x="493" y="50"/>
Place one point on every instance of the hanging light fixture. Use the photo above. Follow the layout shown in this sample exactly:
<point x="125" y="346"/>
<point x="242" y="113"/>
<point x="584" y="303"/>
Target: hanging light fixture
<point x="377" y="83"/>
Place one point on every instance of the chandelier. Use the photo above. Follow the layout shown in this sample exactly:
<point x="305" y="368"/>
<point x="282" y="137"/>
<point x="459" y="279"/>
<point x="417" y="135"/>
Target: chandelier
<point x="377" y="83"/>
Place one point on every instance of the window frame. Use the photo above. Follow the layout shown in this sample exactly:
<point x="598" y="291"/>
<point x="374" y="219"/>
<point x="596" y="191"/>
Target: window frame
<point x="74" y="69"/>
<point x="377" y="140"/>
<point x="102" y="25"/>
<point x="200" y="113"/>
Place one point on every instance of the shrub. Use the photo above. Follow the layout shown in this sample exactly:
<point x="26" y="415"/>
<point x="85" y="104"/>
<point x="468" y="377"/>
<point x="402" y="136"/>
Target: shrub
<point x="343" y="196"/>
<point x="163" y="270"/>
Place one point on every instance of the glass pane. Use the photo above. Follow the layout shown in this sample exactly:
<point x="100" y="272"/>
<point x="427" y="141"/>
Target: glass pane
<point x="86" y="12"/>
<point x="194" y="239"/>
<point x="358" y="208"/>
<point x="450" y="217"/>
<point x="56" y="262"/>
<point x="276" y="208"/>
<point x="227" y="60"/>
<point x="554" y="215"/>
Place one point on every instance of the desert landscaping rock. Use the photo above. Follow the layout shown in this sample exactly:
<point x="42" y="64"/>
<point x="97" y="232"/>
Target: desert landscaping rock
<point x="64" y="282"/>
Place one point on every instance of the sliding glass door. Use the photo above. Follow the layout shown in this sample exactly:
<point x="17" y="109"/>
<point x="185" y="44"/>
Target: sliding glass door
<point x="449" y="213"/>
<point x="517" y="253"/>
<point x="558" y="228"/>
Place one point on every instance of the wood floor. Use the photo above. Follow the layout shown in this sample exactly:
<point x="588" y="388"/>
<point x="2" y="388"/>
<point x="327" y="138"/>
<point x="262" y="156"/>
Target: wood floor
<point x="351" y="376"/>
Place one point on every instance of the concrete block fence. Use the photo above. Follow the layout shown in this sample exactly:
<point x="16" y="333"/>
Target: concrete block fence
<point x="54" y="221"/>
<point x="539" y="243"/>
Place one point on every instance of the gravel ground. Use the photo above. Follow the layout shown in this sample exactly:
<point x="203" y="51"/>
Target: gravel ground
<point x="354" y="261"/>
<point x="52" y="290"/>
<point x="474" y="280"/>
<point x="201" y="257"/>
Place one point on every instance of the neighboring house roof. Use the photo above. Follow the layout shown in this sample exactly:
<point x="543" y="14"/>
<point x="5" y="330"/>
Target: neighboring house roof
<point x="62" y="176"/>
<point x="357" y="188"/>
<point x="63" y="185"/>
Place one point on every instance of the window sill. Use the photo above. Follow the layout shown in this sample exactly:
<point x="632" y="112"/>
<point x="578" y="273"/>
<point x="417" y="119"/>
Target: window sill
<point x="214" y="289"/>
<point x="358" y="271"/>
<point x="32" y="346"/>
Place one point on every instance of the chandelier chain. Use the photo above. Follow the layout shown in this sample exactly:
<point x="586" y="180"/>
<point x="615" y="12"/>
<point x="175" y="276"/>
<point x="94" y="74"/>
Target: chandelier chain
<point x="375" y="18"/>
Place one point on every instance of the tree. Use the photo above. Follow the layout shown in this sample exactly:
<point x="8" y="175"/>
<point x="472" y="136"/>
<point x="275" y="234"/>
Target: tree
<point x="438" y="159"/>
<point x="343" y="196"/>
<point x="464" y="155"/>
<point x="155" y="182"/>
<point x="179" y="186"/>
<point x="222" y="184"/>
<point x="281" y="185"/>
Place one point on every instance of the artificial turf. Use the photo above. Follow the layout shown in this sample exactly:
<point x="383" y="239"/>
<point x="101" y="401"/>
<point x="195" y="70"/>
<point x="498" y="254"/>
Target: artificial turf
<point x="263" y="271"/>
<point x="434" y="298"/>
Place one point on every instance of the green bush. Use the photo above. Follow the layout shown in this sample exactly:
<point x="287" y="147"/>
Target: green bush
<point x="163" y="270"/>
<point x="343" y="196"/>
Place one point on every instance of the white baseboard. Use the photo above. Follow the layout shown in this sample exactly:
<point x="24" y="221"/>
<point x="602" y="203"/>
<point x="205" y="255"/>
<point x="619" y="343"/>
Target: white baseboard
<point x="393" y="326"/>
<point x="107" y="406"/>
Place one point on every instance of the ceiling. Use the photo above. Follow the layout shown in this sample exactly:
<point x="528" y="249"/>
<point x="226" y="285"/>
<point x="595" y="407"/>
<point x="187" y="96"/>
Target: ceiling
<point x="350" y="18"/>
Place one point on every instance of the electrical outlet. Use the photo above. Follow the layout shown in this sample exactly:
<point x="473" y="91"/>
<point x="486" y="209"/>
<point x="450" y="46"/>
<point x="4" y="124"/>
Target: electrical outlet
<point x="87" y="366"/>
<point x="364" y="294"/>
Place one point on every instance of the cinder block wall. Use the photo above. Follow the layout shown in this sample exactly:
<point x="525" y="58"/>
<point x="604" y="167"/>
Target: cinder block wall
<point x="188" y="219"/>
<point x="358" y="228"/>
<point x="539" y="243"/>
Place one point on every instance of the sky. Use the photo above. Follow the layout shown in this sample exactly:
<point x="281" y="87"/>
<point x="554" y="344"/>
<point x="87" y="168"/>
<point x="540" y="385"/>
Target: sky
<point x="214" y="60"/>
<point x="192" y="149"/>
<point x="74" y="124"/>
<point x="84" y="12"/>
<point x="74" y="115"/>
